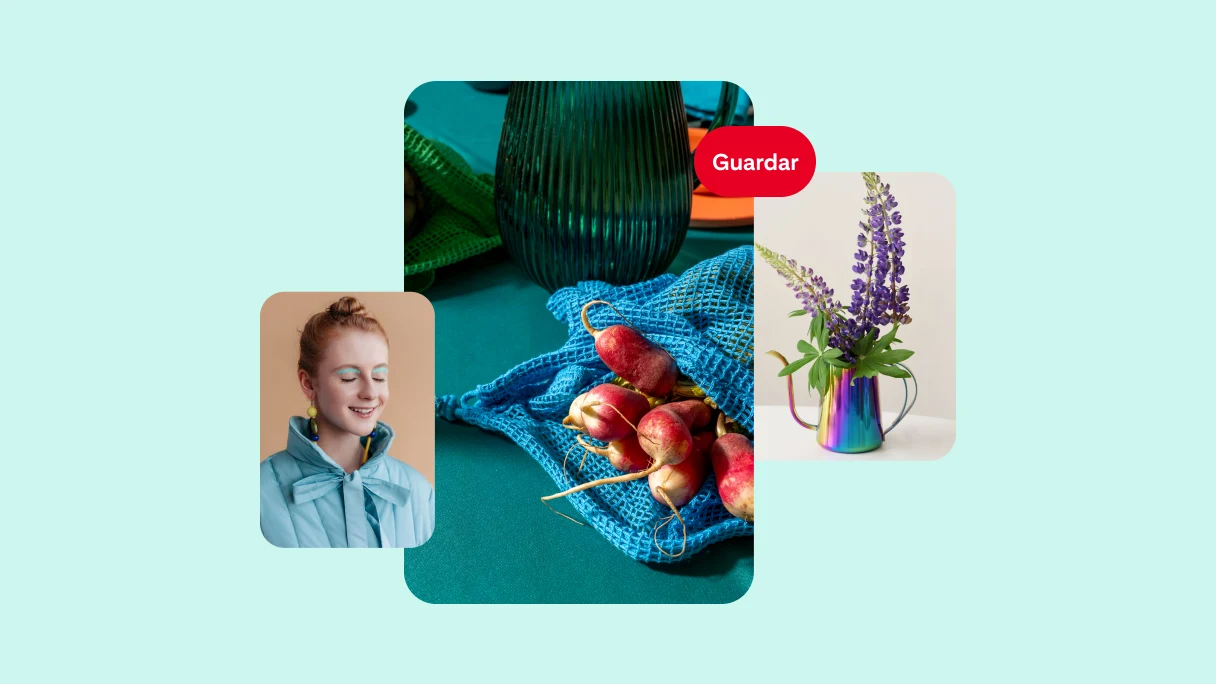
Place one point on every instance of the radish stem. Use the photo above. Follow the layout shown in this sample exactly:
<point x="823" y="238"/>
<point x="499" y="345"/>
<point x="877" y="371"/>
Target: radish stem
<point x="587" y="323"/>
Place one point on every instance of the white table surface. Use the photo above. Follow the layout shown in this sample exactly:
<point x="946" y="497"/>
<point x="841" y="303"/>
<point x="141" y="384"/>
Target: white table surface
<point x="916" y="438"/>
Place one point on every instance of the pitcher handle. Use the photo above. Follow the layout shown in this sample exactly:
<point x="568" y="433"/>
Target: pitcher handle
<point x="907" y="407"/>
<point x="725" y="114"/>
<point x="789" y="383"/>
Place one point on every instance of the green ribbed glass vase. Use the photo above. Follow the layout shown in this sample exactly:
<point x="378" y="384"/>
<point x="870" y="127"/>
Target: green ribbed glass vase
<point x="594" y="179"/>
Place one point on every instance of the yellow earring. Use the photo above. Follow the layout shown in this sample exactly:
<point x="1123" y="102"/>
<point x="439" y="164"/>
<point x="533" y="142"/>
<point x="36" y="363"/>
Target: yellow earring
<point x="313" y="434"/>
<point x="367" y="448"/>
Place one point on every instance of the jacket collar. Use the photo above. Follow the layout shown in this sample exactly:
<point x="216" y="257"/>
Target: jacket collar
<point x="304" y="449"/>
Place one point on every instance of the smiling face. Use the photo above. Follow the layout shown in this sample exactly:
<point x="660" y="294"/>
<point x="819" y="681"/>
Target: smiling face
<point x="350" y="388"/>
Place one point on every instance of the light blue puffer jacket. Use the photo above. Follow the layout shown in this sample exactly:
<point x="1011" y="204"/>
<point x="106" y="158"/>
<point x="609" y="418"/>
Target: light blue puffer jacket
<point x="309" y="501"/>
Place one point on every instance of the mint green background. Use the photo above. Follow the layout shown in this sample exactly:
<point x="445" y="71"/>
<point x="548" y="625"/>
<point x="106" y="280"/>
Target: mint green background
<point x="165" y="170"/>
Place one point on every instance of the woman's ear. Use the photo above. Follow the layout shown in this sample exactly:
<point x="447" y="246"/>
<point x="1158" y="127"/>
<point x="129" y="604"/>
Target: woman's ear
<point x="306" y="386"/>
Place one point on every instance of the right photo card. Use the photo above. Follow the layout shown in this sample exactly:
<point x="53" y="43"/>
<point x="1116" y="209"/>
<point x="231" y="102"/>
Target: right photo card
<point x="855" y="319"/>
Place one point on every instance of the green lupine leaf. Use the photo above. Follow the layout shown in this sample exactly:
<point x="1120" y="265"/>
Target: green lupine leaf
<point x="806" y="348"/>
<point x="797" y="312"/>
<point x="816" y="327"/>
<point x="832" y="353"/>
<point x="822" y="337"/>
<point x="819" y="377"/>
<point x="864" y="369"/>
<point x="891" y="356"/>
<point x="863" y="345"/>
<point x="894" y="371"/>
<point x="795" y="366"/>
<point x="836" y="363"/>
<point x="884" y="341"/>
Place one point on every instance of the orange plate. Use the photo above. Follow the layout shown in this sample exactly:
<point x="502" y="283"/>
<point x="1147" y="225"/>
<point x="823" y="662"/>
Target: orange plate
<point x="711" y="211"/>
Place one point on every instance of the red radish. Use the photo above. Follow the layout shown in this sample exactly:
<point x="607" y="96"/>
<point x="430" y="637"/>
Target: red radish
<point x="611" y="412"/>
<point x="679" y="482"/>
<point x="638" y="361"/>
<point x="694" y="413"/>
<point x="663" y="436"/>
<point x="625" y="454"/>
<point x="574" y="420"/>
<point x="676" y="485"/>
<point x="734" y="466"/>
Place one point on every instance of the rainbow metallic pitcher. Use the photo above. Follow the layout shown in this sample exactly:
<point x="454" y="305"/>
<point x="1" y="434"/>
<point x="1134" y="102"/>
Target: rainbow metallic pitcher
<point x="850" y="418"/>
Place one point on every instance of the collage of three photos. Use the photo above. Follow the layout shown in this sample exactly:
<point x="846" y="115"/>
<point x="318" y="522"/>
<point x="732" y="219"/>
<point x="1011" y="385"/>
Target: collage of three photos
<point x="591" y="350"/>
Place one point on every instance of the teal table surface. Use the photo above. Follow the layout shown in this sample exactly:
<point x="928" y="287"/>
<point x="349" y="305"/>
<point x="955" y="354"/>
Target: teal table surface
<point x="494" y="541"/>
<point x="455" y="114"/>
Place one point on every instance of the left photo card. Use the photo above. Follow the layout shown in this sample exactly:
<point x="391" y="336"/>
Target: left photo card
<point x="347" y="420"/>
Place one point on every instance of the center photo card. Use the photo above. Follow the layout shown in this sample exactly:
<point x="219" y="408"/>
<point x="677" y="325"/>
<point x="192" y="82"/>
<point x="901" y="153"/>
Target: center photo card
<point x="594" y="388"/>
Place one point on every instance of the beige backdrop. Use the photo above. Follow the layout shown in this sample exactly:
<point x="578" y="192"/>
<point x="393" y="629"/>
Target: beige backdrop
<point x="818" y="228"/>
<point x="408" y="319"/>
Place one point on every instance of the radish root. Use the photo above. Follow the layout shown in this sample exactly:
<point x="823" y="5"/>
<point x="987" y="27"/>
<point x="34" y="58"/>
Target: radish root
<point x="628" y="477"/>
<point x="598" y="451"/>
<point x="586" y="409"/>
<point x="622" y="415"/>
<point x="572" y="446"/>
<point x="590" y="448"/>
<point x="563" y="514"/>
<point x="674" y="514"/>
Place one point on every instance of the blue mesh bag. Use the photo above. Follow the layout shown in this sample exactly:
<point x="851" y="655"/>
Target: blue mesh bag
<point x="705" y="319"/>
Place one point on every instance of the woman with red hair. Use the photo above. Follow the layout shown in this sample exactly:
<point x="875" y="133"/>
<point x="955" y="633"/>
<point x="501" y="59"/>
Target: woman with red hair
<point x="335" y="484"/>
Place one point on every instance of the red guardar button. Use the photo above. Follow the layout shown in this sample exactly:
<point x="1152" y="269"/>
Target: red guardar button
<point x="754" y="161"/>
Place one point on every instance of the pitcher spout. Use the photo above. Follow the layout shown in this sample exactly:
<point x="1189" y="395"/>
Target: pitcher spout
<point x="789" y="385"/>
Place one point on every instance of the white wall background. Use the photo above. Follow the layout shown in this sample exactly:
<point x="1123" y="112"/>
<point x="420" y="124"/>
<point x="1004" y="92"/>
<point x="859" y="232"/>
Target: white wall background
<point x="818" y="228"/>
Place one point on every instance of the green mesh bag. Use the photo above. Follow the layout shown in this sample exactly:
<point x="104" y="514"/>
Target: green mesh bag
<point x="458" y="221"/>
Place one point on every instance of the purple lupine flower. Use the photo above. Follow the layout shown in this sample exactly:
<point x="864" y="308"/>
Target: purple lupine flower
<point x="877" y="297"/>
<point x="811" y="290"/>
<point x="899" y="307"/>
<point x="883" y="303"/>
